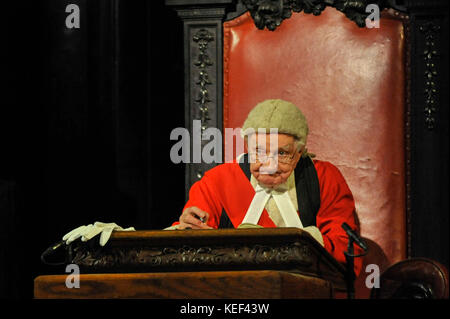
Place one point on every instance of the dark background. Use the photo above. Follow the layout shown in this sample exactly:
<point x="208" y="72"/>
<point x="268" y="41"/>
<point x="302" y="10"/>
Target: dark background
<point x="86" y="115"/>
<point x="85" y="120"/>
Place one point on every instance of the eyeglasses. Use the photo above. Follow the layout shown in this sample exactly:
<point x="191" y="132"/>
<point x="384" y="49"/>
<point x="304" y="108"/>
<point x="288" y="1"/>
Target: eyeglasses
<point x="260" y="156"/>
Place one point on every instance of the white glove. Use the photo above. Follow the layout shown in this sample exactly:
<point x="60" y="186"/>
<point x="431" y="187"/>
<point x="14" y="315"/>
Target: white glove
<point x="89" y="231"/>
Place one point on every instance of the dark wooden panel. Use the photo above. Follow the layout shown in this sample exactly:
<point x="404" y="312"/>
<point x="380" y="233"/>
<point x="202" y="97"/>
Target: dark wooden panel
<point x="429" y="131"/>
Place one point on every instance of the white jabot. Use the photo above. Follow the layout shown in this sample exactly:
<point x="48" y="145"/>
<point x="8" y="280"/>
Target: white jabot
<point x="287" y="209"/>
<point x="281" y="199"/>
<point x="257" y="205"/>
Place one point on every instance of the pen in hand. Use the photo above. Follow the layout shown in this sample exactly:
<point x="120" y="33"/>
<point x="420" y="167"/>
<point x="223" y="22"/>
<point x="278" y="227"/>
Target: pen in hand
<point x="202" y="219"/>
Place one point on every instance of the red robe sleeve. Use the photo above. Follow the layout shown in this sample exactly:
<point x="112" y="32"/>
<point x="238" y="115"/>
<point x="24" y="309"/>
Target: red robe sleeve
<point x="225" y="188"/>
<point x="337" y="206"/>
<point x="204" y="195"/>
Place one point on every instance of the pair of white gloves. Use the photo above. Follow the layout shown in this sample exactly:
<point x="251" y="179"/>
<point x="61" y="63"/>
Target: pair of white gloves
<point x="88" y="232"/>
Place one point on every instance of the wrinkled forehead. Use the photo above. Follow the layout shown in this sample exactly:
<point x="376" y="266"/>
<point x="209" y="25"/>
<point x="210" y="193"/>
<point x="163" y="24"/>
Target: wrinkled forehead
<point x="270" y="140"/>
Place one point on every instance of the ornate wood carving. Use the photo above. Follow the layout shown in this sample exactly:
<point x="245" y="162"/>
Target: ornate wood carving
<point x="270" y="13"/>
<point x="408" y="141"/>
<point x="430" y="30"/>
<point x="189" y="250"/>
<point x="190" y="257"/>
<point x="203" y="85"/>
<point x="203" y="37"/>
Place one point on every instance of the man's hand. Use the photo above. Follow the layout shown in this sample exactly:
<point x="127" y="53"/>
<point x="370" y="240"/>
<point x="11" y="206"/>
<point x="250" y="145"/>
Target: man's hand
<point x="194" y="218"/>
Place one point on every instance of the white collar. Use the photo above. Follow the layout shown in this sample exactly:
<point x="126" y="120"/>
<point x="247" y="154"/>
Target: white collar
<point x="282" y="200"/>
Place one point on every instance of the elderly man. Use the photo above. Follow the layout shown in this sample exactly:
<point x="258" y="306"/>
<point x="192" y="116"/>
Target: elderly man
<point x="276" y="184"/>
<point x="299" y="192"/>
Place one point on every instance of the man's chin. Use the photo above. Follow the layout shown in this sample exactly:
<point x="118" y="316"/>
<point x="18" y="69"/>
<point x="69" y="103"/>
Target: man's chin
<point x="269" y="182"/>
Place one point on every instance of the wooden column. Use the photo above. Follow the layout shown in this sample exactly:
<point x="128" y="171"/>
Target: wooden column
<point x="203" y="83"/>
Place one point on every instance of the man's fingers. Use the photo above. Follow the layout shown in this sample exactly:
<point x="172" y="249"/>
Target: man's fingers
<point x="194" y="222"/>
<point x="190" y="221"/>
<point x="198" y="213"/>
<point x="194" y="218"/>
<point x="183" y="226"/>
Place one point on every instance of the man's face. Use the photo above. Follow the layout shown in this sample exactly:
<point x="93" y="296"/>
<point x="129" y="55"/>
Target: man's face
<point x="273" y="158"/>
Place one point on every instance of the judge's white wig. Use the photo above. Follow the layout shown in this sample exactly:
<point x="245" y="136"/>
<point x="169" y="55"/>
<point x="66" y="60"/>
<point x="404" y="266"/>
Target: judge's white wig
<point x="277" y="114"/>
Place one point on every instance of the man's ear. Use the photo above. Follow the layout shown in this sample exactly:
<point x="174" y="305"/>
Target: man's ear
<point x="298" y="156"/>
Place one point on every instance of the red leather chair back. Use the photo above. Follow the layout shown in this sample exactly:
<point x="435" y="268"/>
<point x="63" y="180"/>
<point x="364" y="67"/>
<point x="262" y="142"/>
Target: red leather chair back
<point x="350" y="84"/>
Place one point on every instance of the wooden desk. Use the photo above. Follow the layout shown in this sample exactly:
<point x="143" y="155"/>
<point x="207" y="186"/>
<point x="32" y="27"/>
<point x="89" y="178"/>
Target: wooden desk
<point x="265" y="284"/>
<point x="233" y="263"/>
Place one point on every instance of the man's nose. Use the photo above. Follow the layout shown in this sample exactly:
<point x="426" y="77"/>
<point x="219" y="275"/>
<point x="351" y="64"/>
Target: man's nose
<point x="270" y="166"/>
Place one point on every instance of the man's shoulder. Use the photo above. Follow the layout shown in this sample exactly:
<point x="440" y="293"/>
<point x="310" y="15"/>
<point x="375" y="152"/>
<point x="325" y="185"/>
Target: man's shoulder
<point x="223" y="169"/>
<point x="327" y="169"/>
<point x="331" y="180"/>
<point x="322" y="164"/>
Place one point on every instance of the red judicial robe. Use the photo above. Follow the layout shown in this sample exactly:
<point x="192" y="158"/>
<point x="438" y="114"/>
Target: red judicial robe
<point x="225" y="187"/>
